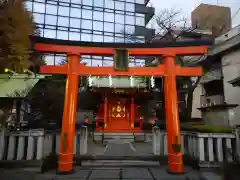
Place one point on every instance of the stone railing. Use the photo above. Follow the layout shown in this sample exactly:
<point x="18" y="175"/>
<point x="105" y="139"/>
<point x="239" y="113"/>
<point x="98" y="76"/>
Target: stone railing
<point x="34" y="145"/>
<point x="209" y="149"/>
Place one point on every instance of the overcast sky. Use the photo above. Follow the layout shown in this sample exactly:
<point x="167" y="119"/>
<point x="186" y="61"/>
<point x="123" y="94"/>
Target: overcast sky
<point x="187" y="6"/>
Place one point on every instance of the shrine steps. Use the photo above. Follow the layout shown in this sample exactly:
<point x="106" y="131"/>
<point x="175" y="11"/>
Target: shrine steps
<point x="123" y="136"/>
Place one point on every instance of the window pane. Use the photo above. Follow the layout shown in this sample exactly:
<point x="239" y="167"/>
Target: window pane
<point x="119" y="18"/>
<point x="64" y="11"/>
<point x="63" y="21"/>
<point x="62" y="35"/>
<point x="119" y="5"/>
<point x="39" y="18"/>
<point x="140" y="15"/>
<point x="131" y="64"/>
<point x="129" y="29"/>
<point x="130" y="7"/>
<point x="87" y="14"/>
<point x="140" y="1"/>
<point x="86" y="24"/>
<point x="75" y="23"/>
<point x="119" y="39"/>
<point x="87" y="2"/>
<point x="129" y="19"/>
<point x="39" y="7"/>
<point x="59" y="59"/>
<point x="29" y="5"/>
<point x="86" y="61"/>
<point x="51" y="9"/>
<point x="108" y="39"/>
<point x="97" y="15"/>
<point x="86" y="37"/>
<point x="109" y="4"/>
<point x="140" y="39"/>
<point x="119" y="28"/>
<point x="107" y="63"/>
<point x="109" y="17"/>
<point x="108" y="27"/>
<point x="140" y="61"/>
<point x="97" y="25"/>
<point x="140" y="21"/>
<point x="49" y="59"/>
<point x="76" y="1"/>
<point x="98" y="3"/>
<point x="50" y="19"/>
<point x="75" y="12"/>
<point x="74" y="36"/>
<point x="96" y="62"/>
<point x="97" y="38"/>
<point x="48" y="33"/>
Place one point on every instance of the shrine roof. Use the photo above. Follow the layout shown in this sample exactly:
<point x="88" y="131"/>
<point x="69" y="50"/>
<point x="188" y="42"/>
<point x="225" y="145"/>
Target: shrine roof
<point x="17" y="86"/>
<point x="37" y="39"/>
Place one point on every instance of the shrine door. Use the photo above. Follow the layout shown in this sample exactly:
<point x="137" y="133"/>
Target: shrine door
<point x="119" y="115"/>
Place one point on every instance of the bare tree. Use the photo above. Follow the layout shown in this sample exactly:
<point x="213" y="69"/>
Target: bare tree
<point x="171" y="26"/>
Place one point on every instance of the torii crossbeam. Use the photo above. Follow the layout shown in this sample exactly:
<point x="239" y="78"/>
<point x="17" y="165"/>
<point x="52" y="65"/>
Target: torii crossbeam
<point x="169" y="70"/>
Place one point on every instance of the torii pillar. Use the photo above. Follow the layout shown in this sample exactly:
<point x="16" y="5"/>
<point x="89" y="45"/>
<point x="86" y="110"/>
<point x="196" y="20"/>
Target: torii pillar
<point x="65" y="158"/>
<point x="175" y="161"/>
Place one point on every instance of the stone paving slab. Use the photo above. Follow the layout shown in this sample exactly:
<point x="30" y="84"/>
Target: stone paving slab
<point x="120" y="147"/>
<point x="111" y="170"/>
<point x="107" y="173"/>
<point x="128" y="163"/>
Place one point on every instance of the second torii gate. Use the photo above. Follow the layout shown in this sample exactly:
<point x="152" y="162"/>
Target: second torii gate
<point x="73" y="69"/>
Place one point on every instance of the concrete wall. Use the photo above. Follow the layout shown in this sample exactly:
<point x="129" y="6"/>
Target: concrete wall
<point x="231" y="70"/>
<point x="196" y="102"/>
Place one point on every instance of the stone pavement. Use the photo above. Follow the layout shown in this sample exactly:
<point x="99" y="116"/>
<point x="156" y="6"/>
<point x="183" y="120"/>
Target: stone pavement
<point x="107" y="173"/>
<point x="111" y="170"/>
<point x="120" y="147"/>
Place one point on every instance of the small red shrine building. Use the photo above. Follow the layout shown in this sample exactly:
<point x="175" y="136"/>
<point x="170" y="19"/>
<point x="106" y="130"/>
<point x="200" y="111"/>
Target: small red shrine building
<point x="118" y="111"/>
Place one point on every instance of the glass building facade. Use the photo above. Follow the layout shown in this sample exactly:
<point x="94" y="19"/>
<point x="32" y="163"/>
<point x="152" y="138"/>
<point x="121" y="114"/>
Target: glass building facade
<point x="92" y="20"/>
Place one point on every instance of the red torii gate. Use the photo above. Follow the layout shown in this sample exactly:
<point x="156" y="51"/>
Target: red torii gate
<point x="74" y="69"/>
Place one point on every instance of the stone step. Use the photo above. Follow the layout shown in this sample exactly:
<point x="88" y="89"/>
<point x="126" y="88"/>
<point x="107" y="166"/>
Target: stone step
<point x="126" y="138"/>
<point x="129" y="137"/>
<point x="114" y="133"/>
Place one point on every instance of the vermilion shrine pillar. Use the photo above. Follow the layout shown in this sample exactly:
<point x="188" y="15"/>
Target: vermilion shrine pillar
<point x="105" y="116"/>
<point x="175" y="162"/>
<point x="65" y="160"/>
<point x="132" y="113"/>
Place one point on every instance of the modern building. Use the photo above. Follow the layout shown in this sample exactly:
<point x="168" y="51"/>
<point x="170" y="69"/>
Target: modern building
<point x="93" y="20"/>
<point x="212" y="17"/>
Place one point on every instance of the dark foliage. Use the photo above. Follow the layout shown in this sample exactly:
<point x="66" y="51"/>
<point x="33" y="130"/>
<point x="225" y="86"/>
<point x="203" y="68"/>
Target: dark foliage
<point x="46" y="100"/>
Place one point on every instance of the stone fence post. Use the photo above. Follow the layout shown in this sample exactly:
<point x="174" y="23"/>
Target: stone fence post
<point x="237" y="134"/>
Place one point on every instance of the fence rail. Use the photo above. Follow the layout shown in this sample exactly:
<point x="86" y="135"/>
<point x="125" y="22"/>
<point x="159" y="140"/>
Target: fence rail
<point x="209" y="149"/>
<point x="37" y="144"/>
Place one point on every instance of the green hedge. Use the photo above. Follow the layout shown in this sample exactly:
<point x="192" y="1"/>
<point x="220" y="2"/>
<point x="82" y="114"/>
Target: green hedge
<point x="206" y="128"/>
